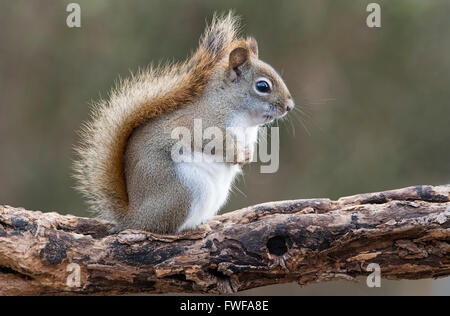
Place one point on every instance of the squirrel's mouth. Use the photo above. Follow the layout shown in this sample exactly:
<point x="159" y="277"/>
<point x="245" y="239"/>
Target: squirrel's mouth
<point x="268" y="118"/>
<point x="272" y="113"/>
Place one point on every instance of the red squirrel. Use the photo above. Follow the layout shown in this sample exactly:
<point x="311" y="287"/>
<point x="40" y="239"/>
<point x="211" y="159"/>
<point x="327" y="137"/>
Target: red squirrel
<point x="124" y="165"/>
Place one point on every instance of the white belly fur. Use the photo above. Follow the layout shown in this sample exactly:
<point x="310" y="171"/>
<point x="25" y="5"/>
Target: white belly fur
<point x="210" y="183"/>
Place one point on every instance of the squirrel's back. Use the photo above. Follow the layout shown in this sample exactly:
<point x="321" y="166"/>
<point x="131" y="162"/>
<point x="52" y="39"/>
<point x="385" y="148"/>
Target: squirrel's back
<point x="99" y="168"/>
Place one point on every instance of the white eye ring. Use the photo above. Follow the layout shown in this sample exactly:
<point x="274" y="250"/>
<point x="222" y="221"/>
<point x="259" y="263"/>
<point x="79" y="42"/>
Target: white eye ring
<point x="263" y="80"/>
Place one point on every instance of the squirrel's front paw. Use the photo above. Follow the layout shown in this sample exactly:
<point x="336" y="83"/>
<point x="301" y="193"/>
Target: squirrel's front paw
<point x="243" y="156"/>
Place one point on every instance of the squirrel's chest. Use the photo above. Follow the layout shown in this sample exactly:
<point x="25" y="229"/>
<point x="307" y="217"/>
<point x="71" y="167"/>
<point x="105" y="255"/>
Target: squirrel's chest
<point x="209" y="184"/>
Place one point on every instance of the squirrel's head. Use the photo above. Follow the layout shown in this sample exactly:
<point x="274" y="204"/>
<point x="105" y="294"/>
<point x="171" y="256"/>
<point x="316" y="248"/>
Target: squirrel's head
<point x="261" y="92"/>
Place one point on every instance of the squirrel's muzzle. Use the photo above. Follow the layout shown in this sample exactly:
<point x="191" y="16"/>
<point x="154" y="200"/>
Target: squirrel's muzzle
<point x="289" y="105"/>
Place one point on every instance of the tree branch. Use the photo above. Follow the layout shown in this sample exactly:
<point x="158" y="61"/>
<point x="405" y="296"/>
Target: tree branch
<point x="405" y="231"/>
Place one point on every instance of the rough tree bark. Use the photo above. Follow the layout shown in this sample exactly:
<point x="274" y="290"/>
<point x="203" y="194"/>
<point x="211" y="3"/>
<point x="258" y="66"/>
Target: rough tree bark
<point x="405" y="231"/>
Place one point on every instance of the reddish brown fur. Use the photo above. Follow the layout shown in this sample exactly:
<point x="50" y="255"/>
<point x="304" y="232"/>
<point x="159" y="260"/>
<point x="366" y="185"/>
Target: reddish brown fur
<point x="194" y="85"/>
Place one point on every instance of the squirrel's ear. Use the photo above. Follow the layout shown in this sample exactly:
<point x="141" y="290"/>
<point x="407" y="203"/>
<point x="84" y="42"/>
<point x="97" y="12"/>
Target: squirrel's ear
<point x="253" y="44"/>
<point x="238" y="57"/>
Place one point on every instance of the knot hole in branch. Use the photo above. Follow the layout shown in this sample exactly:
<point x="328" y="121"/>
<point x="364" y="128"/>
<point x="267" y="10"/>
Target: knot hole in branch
<point x="278" y="245"/>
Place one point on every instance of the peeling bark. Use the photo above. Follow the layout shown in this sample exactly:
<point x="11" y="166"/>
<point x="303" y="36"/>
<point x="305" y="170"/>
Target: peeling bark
<point x="405" y="231"/>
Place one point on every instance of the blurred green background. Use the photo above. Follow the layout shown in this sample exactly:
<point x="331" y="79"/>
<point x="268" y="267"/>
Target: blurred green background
<point x="375" y="101"/>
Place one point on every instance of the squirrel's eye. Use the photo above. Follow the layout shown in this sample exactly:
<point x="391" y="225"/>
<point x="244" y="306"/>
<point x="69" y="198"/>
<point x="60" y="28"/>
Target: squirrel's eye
<point x="263" y="86"/>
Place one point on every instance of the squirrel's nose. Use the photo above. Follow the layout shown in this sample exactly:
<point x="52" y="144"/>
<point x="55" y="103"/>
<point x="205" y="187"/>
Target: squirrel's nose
<point x="290" y="105"/>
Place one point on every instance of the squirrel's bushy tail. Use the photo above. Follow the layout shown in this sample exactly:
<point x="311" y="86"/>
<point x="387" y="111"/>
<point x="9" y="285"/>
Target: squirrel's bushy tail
<point x="99" y="168"/>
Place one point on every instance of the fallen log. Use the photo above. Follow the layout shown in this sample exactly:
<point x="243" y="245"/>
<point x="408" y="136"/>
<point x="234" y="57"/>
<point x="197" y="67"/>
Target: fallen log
<point x="405" y="231"/>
